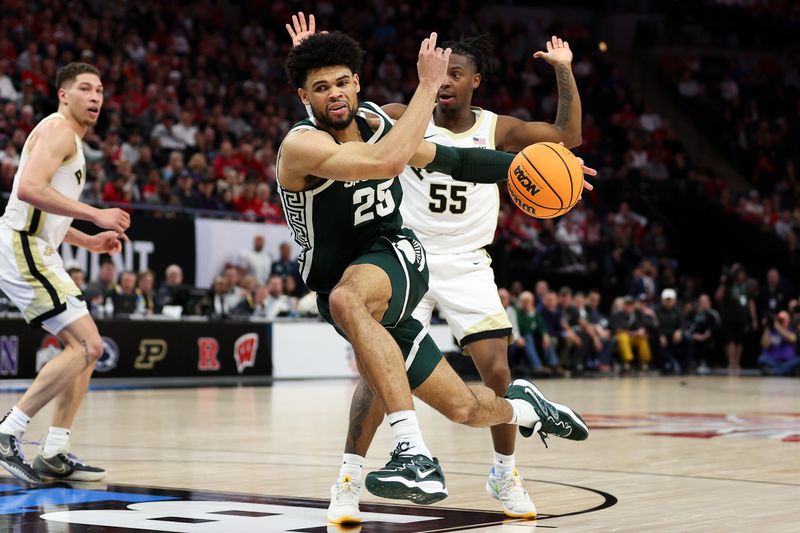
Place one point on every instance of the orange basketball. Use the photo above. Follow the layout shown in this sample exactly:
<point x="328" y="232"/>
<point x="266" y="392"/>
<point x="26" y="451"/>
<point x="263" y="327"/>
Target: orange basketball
<point x="545" y="180"/>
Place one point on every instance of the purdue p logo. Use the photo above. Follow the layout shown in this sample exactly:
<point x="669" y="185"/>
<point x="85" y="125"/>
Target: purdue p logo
<point x="151" y="351"/>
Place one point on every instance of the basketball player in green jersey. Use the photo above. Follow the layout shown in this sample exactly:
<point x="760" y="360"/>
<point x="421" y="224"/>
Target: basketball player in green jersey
<point x="337" y="178"/>
<point x="455" y="221"/>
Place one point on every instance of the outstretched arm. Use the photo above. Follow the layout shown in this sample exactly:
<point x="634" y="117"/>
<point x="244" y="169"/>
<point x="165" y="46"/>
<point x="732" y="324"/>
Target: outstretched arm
<point x="474" y="165"/>
<point x="315" y="153"/>
<point x="513" y="134"/>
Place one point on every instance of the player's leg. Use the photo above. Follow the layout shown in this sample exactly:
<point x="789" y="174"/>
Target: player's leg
<point x="478" y="319"/>
<point x="81" y="350"/>
<point x="55" y="459"/>
<point x="504" y="482"/>
<point x="357" y="304"/>
<point x="366" y="415"/>
<point x="379" y="290"/>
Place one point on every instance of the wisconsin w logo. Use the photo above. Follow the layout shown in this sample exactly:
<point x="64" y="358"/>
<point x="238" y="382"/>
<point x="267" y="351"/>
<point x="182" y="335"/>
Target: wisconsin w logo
<point x="151" y="351"/>
<point x="245" y="350"/>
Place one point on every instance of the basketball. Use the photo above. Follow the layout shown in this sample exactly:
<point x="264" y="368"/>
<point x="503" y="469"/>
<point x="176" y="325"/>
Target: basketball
<point x="545" y="180"/>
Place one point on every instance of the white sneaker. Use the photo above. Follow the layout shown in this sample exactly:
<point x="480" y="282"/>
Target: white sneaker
<point x="509" y="490"/>
<point x="343" y="508"/>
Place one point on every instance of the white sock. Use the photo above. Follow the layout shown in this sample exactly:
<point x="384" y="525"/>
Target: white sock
<point x="15" y="423"/>
<point x="503" y="463"/>
<point x="407" y="435"/>
<point x="57" y="441"/>
<point x="351" y="467"/>
<point x="524" y="414"/>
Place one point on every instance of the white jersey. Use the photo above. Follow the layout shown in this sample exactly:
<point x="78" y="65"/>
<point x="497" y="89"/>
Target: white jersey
<point x="69" y="180"/>
<point x="450" y="216"/>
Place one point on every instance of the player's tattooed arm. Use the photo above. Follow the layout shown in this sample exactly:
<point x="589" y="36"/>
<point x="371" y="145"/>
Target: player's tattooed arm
<point x="513" y="134"/>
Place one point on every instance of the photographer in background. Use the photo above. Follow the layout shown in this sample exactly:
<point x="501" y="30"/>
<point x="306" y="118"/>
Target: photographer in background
<point x="779" y="342"/>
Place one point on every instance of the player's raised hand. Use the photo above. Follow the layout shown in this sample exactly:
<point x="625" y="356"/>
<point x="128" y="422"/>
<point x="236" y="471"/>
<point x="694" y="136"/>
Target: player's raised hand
<point x="432" y="62"/>
<point x="558" y="52"/>
<point x="113" y="219"/>
<point x="299" y="31"/>
<point x="107" y="242"/>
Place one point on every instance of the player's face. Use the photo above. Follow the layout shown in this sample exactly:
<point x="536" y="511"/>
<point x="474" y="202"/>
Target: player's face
<point x="84" y="97"/>
<point x="332" y="93"/>
<point x="456" y="90"/>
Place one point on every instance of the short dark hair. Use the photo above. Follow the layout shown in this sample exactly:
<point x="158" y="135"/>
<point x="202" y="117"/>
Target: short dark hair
<point x="69" y="72"/>
<point x="478" y="49"/>
<point x="322" y="50"/>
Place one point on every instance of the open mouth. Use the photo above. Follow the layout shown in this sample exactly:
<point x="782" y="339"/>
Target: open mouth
<point x="338" y="109"/>
<point x="446" y="98"/>
<point x="94" y="112"/>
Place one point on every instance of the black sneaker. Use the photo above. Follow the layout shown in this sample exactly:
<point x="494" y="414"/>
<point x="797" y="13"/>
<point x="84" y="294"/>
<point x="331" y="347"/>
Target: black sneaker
<point x="554" y="418"/>
<point x="416" y="478"/>
<point x="11" y="459"/>
<point x="67" y="466"/>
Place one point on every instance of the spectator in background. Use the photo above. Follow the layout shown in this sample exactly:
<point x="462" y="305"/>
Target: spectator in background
<point x="257" y="261"/>
<point x="702" y="332"/>
<point x="226" y="159"/>
<point x="286" y="265"/>
<point x="670" y="330"/>
<point x="172" y="291"/>
<point x="234" y="293"/>
<point x="185" y="131"/>
<point x="630" y="334"/>
<point x="598" y="328"/>
<point x="124" y="295"/>
<point x="219" y="307"/>
<point x="738" y="313"/>
<point x="532" y="331"/>
<point x="271" y="303"/>
<point x="772" y="298"/>
<point x="185" y="192"/>
<point x="103" y="287"/>
<point x="7" y="89"/>
<point x="77" y="275"/>
<point x="165" y="136"/>
<point x="208" y="198"/>
<point x="779" y="355"/>
<point x="145" y="296"/>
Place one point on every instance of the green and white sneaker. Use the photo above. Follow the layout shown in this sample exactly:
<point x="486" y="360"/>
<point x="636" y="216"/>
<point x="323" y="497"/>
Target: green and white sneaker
<point x="509" y="490"/>
<point x="12" y="459"/>
<point x="66" y="466"/>
<point x="416" y="478"/>
<point x="554" y="418"/>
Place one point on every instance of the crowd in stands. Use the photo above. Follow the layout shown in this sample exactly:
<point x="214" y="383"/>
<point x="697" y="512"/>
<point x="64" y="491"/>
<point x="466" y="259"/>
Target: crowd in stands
<point x="565" y="332"/>
<point x="196" y="103"/>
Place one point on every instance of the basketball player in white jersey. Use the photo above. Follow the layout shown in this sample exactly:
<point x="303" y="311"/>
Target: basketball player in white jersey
<point x="454" y="221"/>
<point x="37" y="219"/>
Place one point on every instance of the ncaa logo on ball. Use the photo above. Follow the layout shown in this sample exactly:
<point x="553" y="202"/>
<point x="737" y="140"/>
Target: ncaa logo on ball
<point x="108" y="361"/>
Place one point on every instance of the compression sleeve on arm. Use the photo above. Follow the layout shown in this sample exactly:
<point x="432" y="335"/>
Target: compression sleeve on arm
<point x="476" y="165"/>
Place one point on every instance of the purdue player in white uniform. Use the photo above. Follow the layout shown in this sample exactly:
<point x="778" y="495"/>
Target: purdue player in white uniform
<point x="37" y="219"/>
<point x="454" y="221"/>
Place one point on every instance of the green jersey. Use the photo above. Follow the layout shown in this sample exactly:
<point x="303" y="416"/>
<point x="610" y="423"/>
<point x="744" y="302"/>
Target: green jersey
<point x="337" y="221"/>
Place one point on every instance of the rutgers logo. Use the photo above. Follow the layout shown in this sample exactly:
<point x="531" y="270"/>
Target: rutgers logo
<point x="151" y="351"/>
<point x="244" y="351"/>
<point x="50" y="348"/>
<point x="207" y="351"/>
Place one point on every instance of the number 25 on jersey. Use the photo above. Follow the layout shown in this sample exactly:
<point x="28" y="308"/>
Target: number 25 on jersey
<point x="369" y="202"/>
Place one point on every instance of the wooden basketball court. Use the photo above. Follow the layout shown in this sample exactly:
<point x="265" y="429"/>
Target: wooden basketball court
<point x="664" y="454"/>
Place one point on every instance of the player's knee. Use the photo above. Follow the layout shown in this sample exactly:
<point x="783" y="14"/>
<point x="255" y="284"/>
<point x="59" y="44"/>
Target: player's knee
<point x="460" y="412"/>
<point x="342" y="301"/>
<point x="498" y="377"/>
<point x="92" y="349"/>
